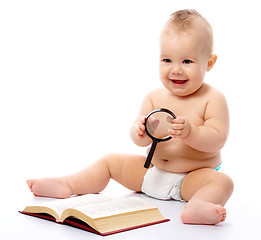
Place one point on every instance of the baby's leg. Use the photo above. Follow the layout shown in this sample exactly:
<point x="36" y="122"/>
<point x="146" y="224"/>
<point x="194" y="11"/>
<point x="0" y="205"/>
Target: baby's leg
<point x="128" y="170"/>
<point x="206" y="191"/>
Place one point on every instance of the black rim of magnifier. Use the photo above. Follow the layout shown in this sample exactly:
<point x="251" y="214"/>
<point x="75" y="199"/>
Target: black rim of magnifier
<point x="155" y="111"/>
<point x="155" y="140"/>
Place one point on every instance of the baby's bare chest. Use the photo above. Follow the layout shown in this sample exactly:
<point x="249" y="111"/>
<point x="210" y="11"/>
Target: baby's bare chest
<point x="193" y="109"/>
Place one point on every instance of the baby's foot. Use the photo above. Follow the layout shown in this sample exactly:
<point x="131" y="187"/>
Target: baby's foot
<point x="201" y="212"/>
<point x="49" y="187"/>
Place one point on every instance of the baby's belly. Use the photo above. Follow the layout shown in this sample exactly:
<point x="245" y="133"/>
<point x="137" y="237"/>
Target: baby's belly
<point x="178" y="157"/>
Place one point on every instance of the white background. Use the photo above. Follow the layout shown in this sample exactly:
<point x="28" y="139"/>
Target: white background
<point x="73" y="75"/>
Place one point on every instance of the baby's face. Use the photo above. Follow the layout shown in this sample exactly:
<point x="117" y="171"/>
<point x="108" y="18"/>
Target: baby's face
<point x="183" y="62"/>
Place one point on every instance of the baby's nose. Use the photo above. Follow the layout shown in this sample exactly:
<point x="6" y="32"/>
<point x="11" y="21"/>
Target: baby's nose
<point x="176" y="69"/>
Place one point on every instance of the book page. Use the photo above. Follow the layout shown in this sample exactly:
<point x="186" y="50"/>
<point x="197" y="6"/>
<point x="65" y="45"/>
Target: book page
<point x="115" y="207"/>
<point x="77" y="202"/>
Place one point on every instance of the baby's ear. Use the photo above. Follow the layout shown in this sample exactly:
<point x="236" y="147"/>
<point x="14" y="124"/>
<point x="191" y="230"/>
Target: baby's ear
<point x="211" y="62"/>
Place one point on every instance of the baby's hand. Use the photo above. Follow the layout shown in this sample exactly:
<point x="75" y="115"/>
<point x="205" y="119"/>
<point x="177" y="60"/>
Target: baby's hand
<point x="141" y="126"/>
<point x="180" y="128"/>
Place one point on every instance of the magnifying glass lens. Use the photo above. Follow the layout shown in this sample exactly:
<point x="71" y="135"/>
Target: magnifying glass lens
<point x="158" y="124"/>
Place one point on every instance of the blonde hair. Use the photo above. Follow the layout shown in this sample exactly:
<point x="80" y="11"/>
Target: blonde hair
<point x="189" y="19"/>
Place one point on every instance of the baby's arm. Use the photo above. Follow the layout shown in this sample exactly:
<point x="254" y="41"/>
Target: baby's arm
<point x="212" y="135"/>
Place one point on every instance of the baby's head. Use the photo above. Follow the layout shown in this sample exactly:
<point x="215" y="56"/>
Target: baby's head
<point x="191" y="22"/>
<point x="186" y="46"/>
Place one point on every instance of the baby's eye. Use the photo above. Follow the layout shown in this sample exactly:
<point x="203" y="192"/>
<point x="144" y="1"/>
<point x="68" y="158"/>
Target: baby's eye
<point x="187" y="61"/>
<point x="166" y="60"/>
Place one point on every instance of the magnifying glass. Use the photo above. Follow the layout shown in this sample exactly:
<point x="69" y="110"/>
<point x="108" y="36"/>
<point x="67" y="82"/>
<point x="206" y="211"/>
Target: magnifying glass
<point x="157" y="124"/>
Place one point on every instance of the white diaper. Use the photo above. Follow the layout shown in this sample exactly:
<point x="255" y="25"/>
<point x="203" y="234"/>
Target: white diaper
<point x="162" y="185"/>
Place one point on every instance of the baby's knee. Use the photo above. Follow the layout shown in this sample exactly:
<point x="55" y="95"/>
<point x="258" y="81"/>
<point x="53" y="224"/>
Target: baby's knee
<point x="228" y="182"/>
<point x="112" y="160"/>
<point x="218" y="179"/>
<point x="225" y="182"/>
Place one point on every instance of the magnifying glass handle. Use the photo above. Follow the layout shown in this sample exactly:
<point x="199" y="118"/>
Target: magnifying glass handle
<point x="149" y="157"/>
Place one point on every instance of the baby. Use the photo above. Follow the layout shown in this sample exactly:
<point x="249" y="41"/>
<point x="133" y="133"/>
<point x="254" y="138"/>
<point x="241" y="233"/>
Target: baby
<point x="186" y="167"/>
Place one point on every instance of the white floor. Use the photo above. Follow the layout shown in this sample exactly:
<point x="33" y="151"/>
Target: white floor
<point x="243" y="221"/>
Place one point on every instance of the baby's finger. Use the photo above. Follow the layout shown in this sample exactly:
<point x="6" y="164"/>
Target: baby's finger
<point x="178" y="120"/>
<point x="175" y="133"/>
<point x="177" y="126"/>
<point x="142" y="120"/>
<point x="141" y="126"/>
<point x="170" y="119"/>
<point x="140" y="132"/>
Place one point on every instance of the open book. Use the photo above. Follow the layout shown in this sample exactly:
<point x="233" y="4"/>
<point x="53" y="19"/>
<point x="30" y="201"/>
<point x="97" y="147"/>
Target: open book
<point x="99" y="213"/>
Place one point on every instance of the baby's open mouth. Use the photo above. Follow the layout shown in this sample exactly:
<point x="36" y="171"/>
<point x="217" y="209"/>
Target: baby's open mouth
<point x="176" y="81"/>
